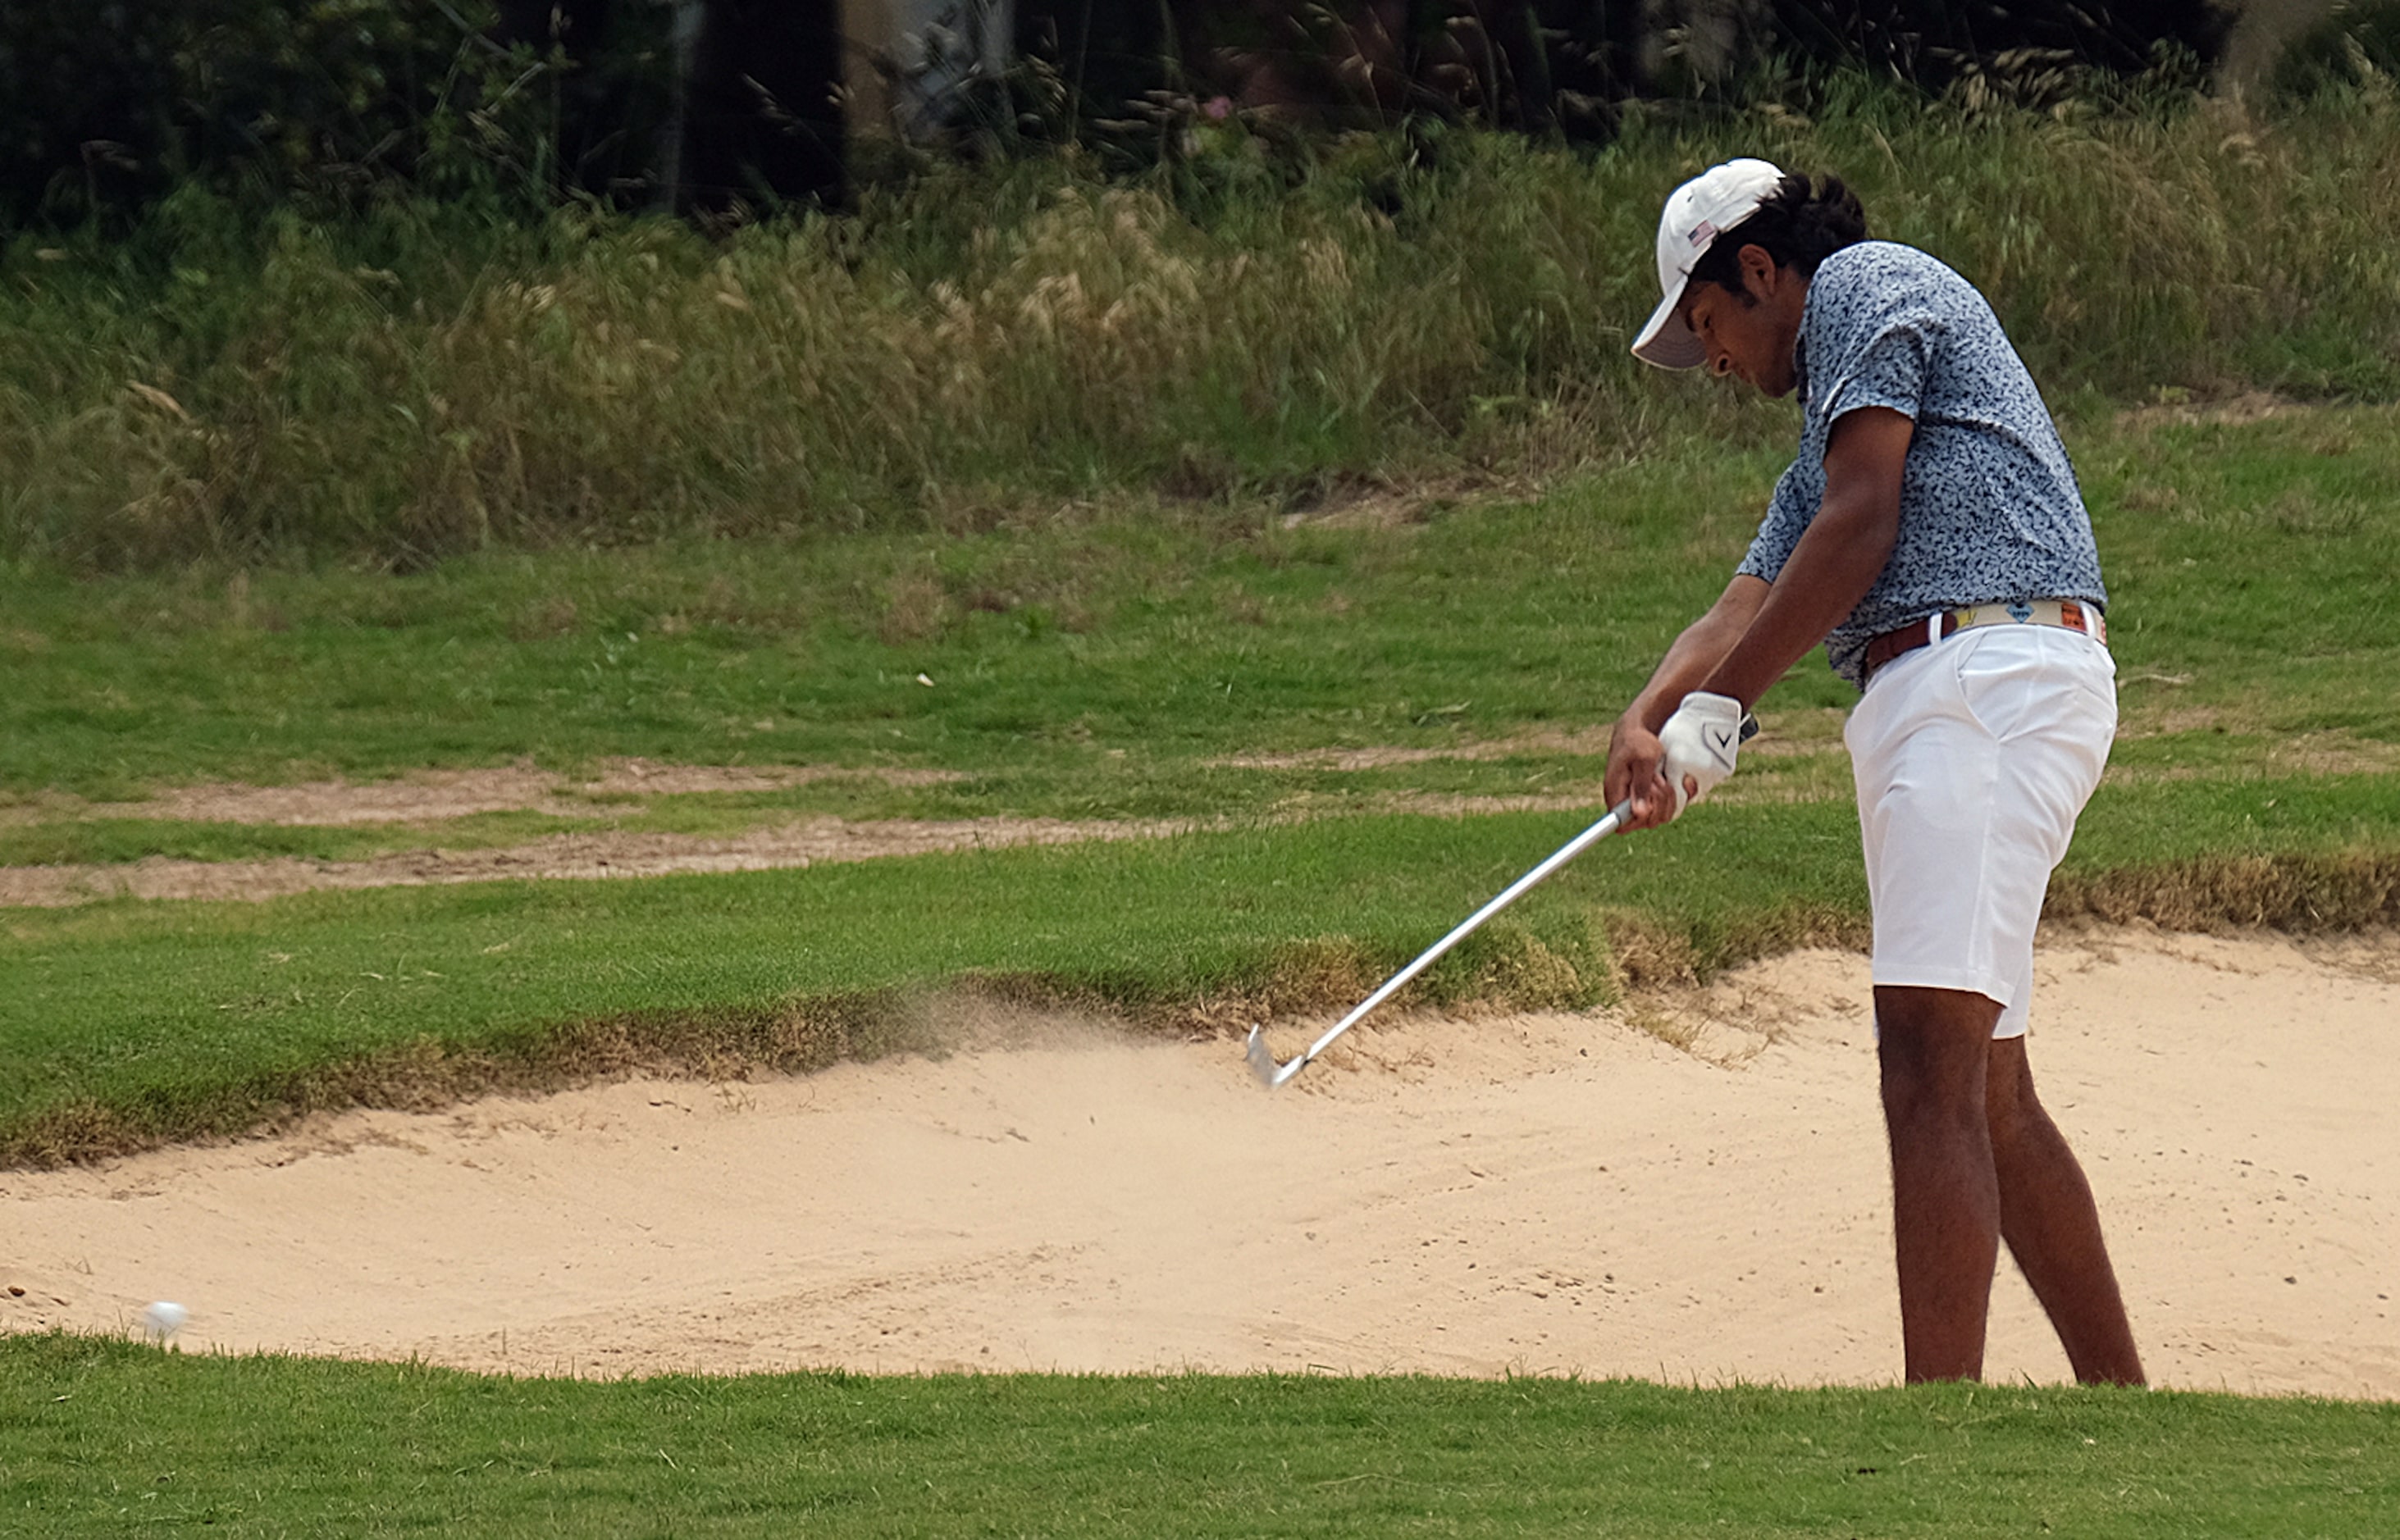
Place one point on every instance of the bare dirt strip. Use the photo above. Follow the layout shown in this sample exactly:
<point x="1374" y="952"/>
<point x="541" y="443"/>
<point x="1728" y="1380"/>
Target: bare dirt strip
<point x="429" y="796"/>
<point x="802" y="843"/>
<point x="425" y="796"/>
<point x="1547" y="1194"/>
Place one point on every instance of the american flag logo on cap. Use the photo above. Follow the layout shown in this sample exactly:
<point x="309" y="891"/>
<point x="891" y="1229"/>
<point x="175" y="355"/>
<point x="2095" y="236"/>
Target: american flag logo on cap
<point x="1703" y="233"/>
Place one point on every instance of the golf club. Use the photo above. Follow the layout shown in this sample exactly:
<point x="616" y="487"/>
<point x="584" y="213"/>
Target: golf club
<point x="1261" y="1059"/>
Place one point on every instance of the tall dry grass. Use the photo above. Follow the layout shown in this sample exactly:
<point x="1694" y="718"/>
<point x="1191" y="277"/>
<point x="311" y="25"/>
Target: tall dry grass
<point x="413" y="384"/>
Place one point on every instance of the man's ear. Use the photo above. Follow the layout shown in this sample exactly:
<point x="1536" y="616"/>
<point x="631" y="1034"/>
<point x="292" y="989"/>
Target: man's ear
<point x="1760" y="277"/>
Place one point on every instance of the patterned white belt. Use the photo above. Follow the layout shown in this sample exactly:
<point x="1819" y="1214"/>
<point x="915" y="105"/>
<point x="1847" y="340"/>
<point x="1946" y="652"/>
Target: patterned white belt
<point x="2069" y="614"/>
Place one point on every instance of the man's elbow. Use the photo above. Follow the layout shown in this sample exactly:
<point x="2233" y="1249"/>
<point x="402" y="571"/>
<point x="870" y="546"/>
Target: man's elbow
<point x="1867" y="523"/>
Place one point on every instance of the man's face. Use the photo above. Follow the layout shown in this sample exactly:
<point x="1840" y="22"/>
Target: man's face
<point x="1750" y="336"/>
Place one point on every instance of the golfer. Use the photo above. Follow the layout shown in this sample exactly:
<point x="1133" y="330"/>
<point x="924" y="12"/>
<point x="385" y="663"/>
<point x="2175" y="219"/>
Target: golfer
<point x="1930" y="534"/>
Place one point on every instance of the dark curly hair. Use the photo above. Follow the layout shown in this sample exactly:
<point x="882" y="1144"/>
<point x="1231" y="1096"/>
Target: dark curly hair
<point x="1798" y="226"/>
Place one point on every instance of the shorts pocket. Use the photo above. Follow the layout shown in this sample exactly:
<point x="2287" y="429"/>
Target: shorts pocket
<point x="1999" y="682"/>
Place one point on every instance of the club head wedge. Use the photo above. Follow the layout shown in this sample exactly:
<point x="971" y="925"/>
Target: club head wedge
<point x="1263" y="1062"/>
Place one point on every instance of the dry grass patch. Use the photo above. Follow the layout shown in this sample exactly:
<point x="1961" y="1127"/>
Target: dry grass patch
<point x="2303" y="895"/>
<point x="429" y="1073"/>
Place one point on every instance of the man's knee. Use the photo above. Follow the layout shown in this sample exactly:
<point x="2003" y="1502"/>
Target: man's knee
<point x="2010" y="1104"/>
<point x="1934" y="1047"/>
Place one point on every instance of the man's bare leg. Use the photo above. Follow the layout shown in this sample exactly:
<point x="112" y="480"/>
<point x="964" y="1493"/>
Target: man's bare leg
<point x="1934" y="1047"/>
<point x="2052" y="1227"/>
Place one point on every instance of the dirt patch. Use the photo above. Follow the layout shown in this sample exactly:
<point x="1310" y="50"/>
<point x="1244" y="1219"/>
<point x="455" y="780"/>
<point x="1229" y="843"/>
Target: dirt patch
<point x="1505" y="1195"/>
<point x="431" y="795"/>
<point x="1377" y="504"/>
<point x="1792" y="734"/>
<point x="571" y="856"/>
<point x="1587" y="741"/>
<point x="802" y="843"/>
<point x="1809" y="740"/>
<point x="2233" y="411"/>
<point x="2299" y="753"/>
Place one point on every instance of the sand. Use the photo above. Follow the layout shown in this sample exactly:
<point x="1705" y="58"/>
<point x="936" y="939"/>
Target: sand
<point x="1546" y="1194"/>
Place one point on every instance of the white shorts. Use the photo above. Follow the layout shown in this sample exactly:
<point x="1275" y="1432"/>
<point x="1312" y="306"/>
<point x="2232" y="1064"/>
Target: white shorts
<point x="1973" y="757"/>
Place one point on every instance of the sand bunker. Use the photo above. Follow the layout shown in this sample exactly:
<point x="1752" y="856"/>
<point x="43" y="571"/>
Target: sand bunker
<point x="1548" y="1195"/>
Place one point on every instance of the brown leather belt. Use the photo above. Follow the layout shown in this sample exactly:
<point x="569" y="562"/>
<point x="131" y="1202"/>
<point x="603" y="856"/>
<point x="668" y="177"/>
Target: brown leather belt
<point x="2070" y="614"/>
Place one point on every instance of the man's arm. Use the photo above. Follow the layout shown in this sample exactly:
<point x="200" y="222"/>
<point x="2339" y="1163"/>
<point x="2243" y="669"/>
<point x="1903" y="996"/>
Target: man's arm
<point x="1634" y="756"/>
<point x="1755" y="632"/>
<point x="1837" y="560"/>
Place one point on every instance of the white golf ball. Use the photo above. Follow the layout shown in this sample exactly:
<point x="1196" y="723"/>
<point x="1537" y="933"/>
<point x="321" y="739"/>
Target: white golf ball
<point x="164" y="1318"/>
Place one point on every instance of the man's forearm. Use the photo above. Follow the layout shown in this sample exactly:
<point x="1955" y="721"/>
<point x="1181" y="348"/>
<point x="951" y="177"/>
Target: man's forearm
<point x="1835" y="563"/>
<point x="1698" y="653"/>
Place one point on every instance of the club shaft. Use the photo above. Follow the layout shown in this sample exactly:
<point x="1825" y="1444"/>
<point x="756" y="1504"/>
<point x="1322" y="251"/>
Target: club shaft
<point x="1467" y="927"/>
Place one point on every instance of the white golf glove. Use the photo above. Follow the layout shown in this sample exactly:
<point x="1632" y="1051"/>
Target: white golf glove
<point x="1701" y="740"/>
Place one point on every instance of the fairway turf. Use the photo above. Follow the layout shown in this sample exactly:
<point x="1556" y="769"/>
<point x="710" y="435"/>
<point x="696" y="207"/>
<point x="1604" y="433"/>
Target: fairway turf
<point x="127" y="1023"/>
<point x="99" y="1438"/>
<point x="1214" y="657"/>
<point x="1108" y="665"/>
<point x="1106" y="662"/>
<point x="1283" y="470"/>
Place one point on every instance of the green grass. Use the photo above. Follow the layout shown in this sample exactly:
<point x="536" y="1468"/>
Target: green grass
<point x="2254" y="567"/>
<point x="177" y="1018"/>
<point x="988" y="340"/>
<point x="126" y="1023"/>
<point x="1168" y="637"/>
<point x="2257" y="566"/>
<point x="98" y="1437"/>
<point x="402" y="496"/>
<point x="107" y="841"/>
<point x="1095" y="666"/>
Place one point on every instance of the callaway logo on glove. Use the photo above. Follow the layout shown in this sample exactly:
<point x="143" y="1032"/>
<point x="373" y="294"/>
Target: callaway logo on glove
<point x="1701" y="741"/>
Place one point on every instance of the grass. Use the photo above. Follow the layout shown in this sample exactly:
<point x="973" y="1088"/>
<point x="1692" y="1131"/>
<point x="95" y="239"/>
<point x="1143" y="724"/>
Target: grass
<point x="99" y="1436"/>
<point x="169" y="1021"/>
<point x="1047" y="647"/>
<point x="353" y="502"/>
<point x="127" y="1024"/>
<point x="1101" y="664"/>
<point x="991" y="339"/>
<point x="2253" y="563"/>
<point x="104" y="841"/>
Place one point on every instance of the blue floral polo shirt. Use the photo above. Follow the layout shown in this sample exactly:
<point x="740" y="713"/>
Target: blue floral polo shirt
<point x="1989" y="511"/>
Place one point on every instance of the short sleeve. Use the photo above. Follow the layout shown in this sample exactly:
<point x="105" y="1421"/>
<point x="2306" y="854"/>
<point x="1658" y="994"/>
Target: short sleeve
<point x="1887" y="366"/>
<point x="1990" y="509"/>
<point x="1788" y="515"/>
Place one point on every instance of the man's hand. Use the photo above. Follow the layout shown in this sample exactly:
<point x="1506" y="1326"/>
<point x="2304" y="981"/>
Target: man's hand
<point x="1700" y="743"/>
<point x="1634" y="757"/>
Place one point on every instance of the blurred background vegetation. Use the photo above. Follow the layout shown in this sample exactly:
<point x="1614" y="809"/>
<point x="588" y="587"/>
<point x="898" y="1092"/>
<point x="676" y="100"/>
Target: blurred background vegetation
<point x="105" y="108"/>
<point x="385" y="280"/>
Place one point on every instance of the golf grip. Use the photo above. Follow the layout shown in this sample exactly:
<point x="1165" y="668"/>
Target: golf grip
<point x="1560" y="857"/>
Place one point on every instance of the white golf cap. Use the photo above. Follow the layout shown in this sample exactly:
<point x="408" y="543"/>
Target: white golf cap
<point x="1696" y="214"/>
